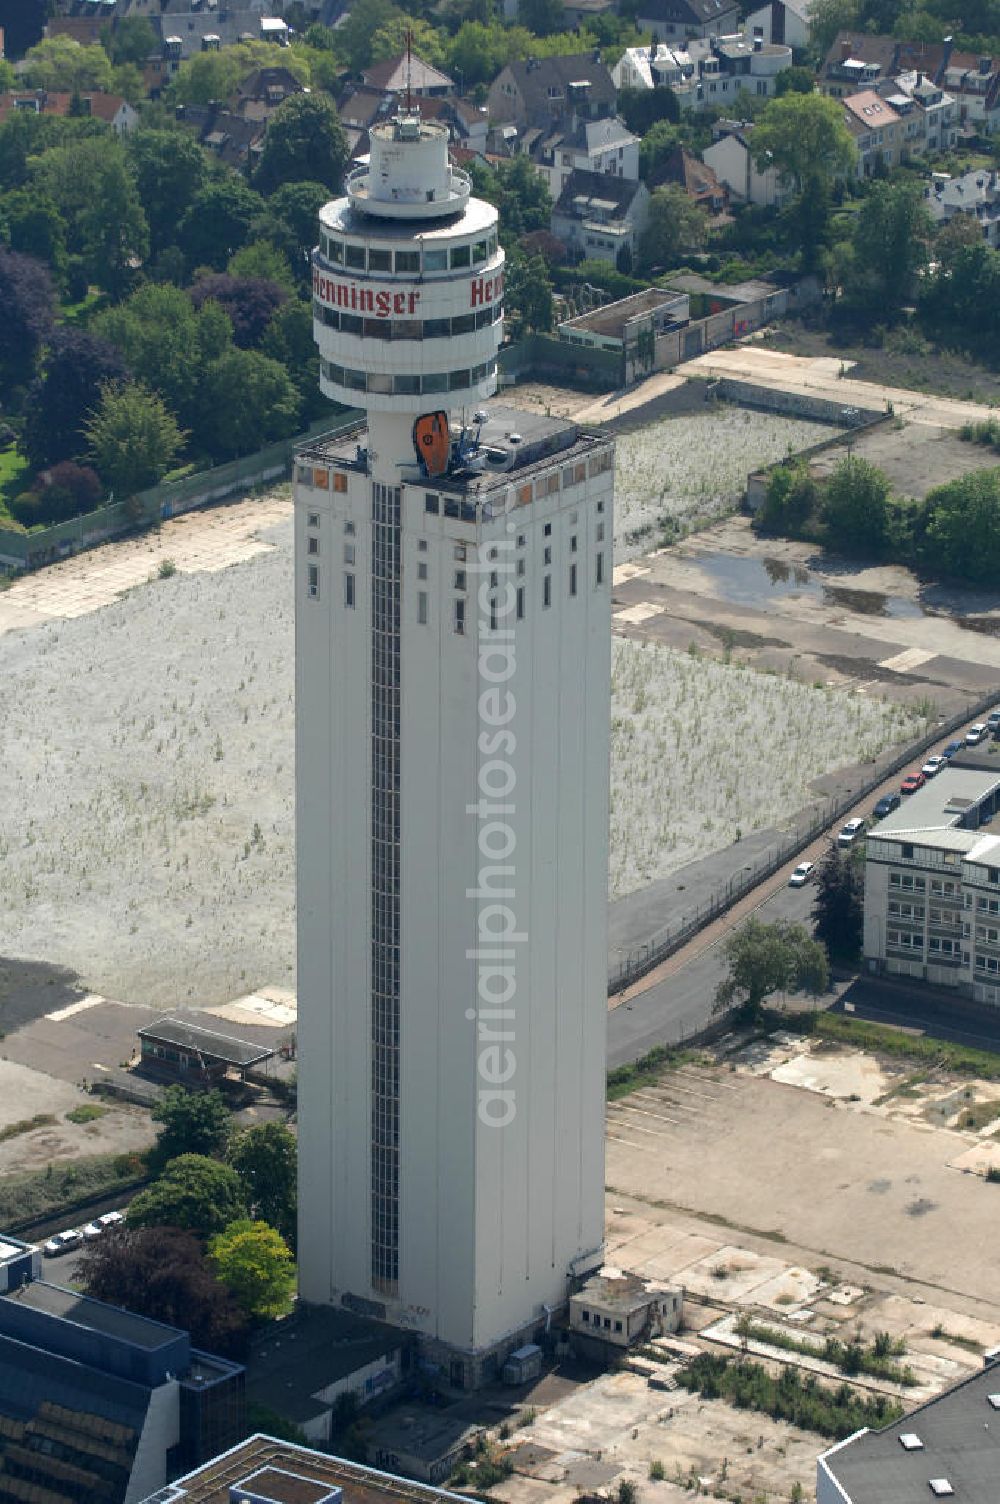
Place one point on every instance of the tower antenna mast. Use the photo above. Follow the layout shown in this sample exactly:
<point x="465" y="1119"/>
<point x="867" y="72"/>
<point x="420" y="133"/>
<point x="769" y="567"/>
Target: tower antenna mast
<point x="409" y="69"/>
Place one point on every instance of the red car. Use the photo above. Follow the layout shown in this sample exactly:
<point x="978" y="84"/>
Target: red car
<point x="911" y="783"/>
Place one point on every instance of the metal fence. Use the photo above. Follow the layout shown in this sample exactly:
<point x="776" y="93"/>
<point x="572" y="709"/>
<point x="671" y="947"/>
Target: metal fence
<point x="669" y="938"/>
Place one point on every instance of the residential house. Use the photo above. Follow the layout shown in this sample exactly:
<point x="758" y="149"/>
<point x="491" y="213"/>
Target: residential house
<point x="187" y="27"/>
<point x="857" y="60"/>
<point x="606" y="147"/>
<point x="619" y="1311"/>
<point x="688" y="18"/>
<point x="929" y="115"/>
<point x="597" y="216"/>
<point x="235" y="141"/>
<point x="401" y="75"/>
<point x="697" y="178"/>
<point x="706" y="74"/>
<point x="85" y="29"/>
<point x="731" y="158"/>
<point x="577" y="13"/>
<point x="787" y="22"/>
<point x="263" y="90"/>
<point x="877" y="131"/>
<point x="533" y="93"/>
<point x="974" y="194"/>
<point x="111" y="108"/>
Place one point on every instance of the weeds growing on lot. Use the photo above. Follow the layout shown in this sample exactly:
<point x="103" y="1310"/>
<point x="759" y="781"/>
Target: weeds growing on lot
<point x="27" y="1198"/>
<point x="854" y="1357"/>
<point x="87" y="1112"/>
<point x="885" y="1040"/>
<point x="647" y="1070"/>
<point x="26" y="1125"/>
<point x="798" y="1398"/>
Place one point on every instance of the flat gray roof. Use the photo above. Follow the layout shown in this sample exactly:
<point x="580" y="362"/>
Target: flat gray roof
<point x="140" y="1331"/>
<point x="225" y="1047"/>
<point x="959" y="1432"/>
<point x="941" y="803"/>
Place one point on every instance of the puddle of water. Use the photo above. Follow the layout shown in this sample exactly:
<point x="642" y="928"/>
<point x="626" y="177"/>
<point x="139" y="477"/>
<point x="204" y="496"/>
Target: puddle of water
<point x="751" y="581"/>
<point x="872" y="602"/>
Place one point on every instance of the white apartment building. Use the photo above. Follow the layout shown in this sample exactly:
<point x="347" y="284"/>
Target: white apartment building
<point x="932" y="886"/>
<point x="453" y="573"/>
<point x="731" y="159"/>
<point x="706" y="73"/>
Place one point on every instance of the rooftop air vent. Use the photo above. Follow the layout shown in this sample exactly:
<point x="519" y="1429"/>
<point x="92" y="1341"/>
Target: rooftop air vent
<point x="910" y="1442"/>
<point x="994" y="1400"/>
<point x="941" y="1488"/>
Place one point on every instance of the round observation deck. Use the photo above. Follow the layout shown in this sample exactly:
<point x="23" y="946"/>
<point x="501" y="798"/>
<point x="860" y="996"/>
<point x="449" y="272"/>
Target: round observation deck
<point x="409" y="175"/>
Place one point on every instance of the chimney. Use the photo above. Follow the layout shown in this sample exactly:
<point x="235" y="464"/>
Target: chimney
<point x="845" y="50"/>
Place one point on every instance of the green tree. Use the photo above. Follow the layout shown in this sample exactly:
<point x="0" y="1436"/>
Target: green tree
<point x="795" y="80"/>
<point x="790" y="502"/>
<point x="305" y="142"/>
<point x="289" y="340"/>
<point x="805" y="138"/>
<point x="520" y="193"/>
<point x="217" y="222"/>
<point x="195" y="1193"/>
<point x="429" y="44"/>
<point x="262" y="259"/>
<point x="265" y="1159"/>
<point x="838" y="908"/>
<point x="528" y="294"/>
<point x="641" y="109"/>
<point x="209" y="76"/>
<point x="290" y="221"/>
<point x="31" y="223"/>
<point x="956" y="234"/>
<point x="166" y="343"/>
<point x="892" y="232"/>
<point x="542" y="17"/>
<point x="660" y="141"/>
<point x="826" y="18"/>
<point x="674" y="224"/>
<point x="92" y="185"/>
<point x="170" y="169"/>
<point x="8" y="78"/>
<point x="192" y="1123"/>
<point x="856" y="507"/>
<point x="255" y="1262"/>
<point x="133" y="438"/>
<point x="131" y="39"/>
<point x="249" y="400"/>
<point x="763" y="959"/>
<point x="962" y="523"/>
<point x="61" y="65"/>
<point x="364" y="20"/>
<point x="478" y="51"/>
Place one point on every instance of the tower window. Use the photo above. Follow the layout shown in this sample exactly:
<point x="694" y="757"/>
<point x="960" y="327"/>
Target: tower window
<point x="547" y="555"/>
<point x="422" y="570"/>
<point x="460" y="617"/>
<point x="435" y="261"/>
<point x="600" y="532"/>
<point x="379" y="261"/>
<point x="349" y="529"/>
<point x="349" y="553"/>
<point x="354" y="255"/>
<point x="312" y="546"/>
<point x="349" y="591"/>
<point x="431" y="502"/>
<point x="422" y="607"/>
<point x="599" y="569"/>
<point x="547" y="590"/>
<point x="461" y="256"/>
<point x="520" y="566"/>
<point x="336" y="251"/>
<point x="313" y="519"/>
<point x="572" y="544"/>
<point x="313" y="582"/>
<point x="572" y="579"/>
<point x="407" y="261"/>
<point x="548" y="530"/>
<point x="520" y="602"/>
<point x="459" y="579"/>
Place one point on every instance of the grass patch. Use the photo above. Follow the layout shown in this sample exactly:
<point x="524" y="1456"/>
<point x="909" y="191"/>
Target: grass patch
<point x="799" y="1399"/>
<point x="26" y="1125"/>
<point x="29" y="1197"/>
<point x="83" y="311"/>
<point x="854" y="1357"/>
<point x="939" y="1333"/>
<point x="886" y="1040"/>
<point x="647" y="1070"/>
<point x="979" y="1115"/>
<point x="87" y="1112"/>
<point x="14" y="469"/>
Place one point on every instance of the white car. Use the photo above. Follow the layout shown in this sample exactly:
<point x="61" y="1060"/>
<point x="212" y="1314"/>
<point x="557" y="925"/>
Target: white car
<point x="975" y="734"/>
<point x="933" y="765"/>
<point x="850" y="832"/>
<point x="63" y="1242"/>
<point x="91" y="1231"/>
<point x="801" y="875"/>
<point x="110" y="1219"/>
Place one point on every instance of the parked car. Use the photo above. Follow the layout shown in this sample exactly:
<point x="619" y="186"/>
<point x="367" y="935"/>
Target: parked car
<point x="951" y="749"/>
<point x="975" y="734"/>
<point x="933" y="765"/>
<point x="886" y="805"/>
<point x="993" y="720"/>
<point x="62" y="1242"/>
<point x="801" y="874"/>
<point x="850" y="832"/>
<point x="911" y="783"/>
<point x="110" y="1219"/>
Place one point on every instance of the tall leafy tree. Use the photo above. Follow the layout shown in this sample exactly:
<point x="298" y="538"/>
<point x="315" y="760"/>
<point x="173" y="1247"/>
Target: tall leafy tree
<point x="354" y="38"/>
<point x="132" y="437"/>
<point x="170" y="170"/>
<point x="250" y="303"/>
<point x="289" y="340"/>
<point x="162" y="1272"/>
<point x="74" y="368"/>
<point x="528" y="292"/>
<point x="61" y="65"/>
<point x="255" y="1263"/>
<point x="763" y="959"/>
<point x="249" y="400"/>
<point x="26" y="310"/>
<point x="130" y="39"/>
<point x="217" y="221"/>
<point x="191" y="1123"/>
<point x="963" y="527"/>
<point x="856" y="507"/>
<point x="32" y="224"/>
<point x="92" y="184"/>
<point x="265" y="1159"/>
<point x="290" y="222"/>
<point x="892" y="233"/>
<point x="838" y="908"/>
<point x="195" y="1193"/>
<point x="305" y="143"/>
<point x="805" y="138"/>
<point x="162" y="338"/>
<point x="674" y="224"/>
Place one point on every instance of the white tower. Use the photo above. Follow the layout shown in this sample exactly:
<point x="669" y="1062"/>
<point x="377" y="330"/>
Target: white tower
<point x="453" y="662"/>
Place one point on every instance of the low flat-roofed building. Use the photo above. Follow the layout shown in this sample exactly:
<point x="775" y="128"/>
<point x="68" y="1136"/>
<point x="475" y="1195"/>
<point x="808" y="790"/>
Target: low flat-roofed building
<point x="173" y="1047"/>
<point x="948" y="1449"/>
<point x="620" y="1310"/>
<point x="270" y="1471"/>
<point x="932" y="885"/>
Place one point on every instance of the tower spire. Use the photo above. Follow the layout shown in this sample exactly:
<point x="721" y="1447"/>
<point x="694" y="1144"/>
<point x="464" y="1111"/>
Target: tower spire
<point x="409" y="69"/>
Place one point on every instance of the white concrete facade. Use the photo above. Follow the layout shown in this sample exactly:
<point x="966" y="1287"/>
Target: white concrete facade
<point x="450" y="1087"/>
